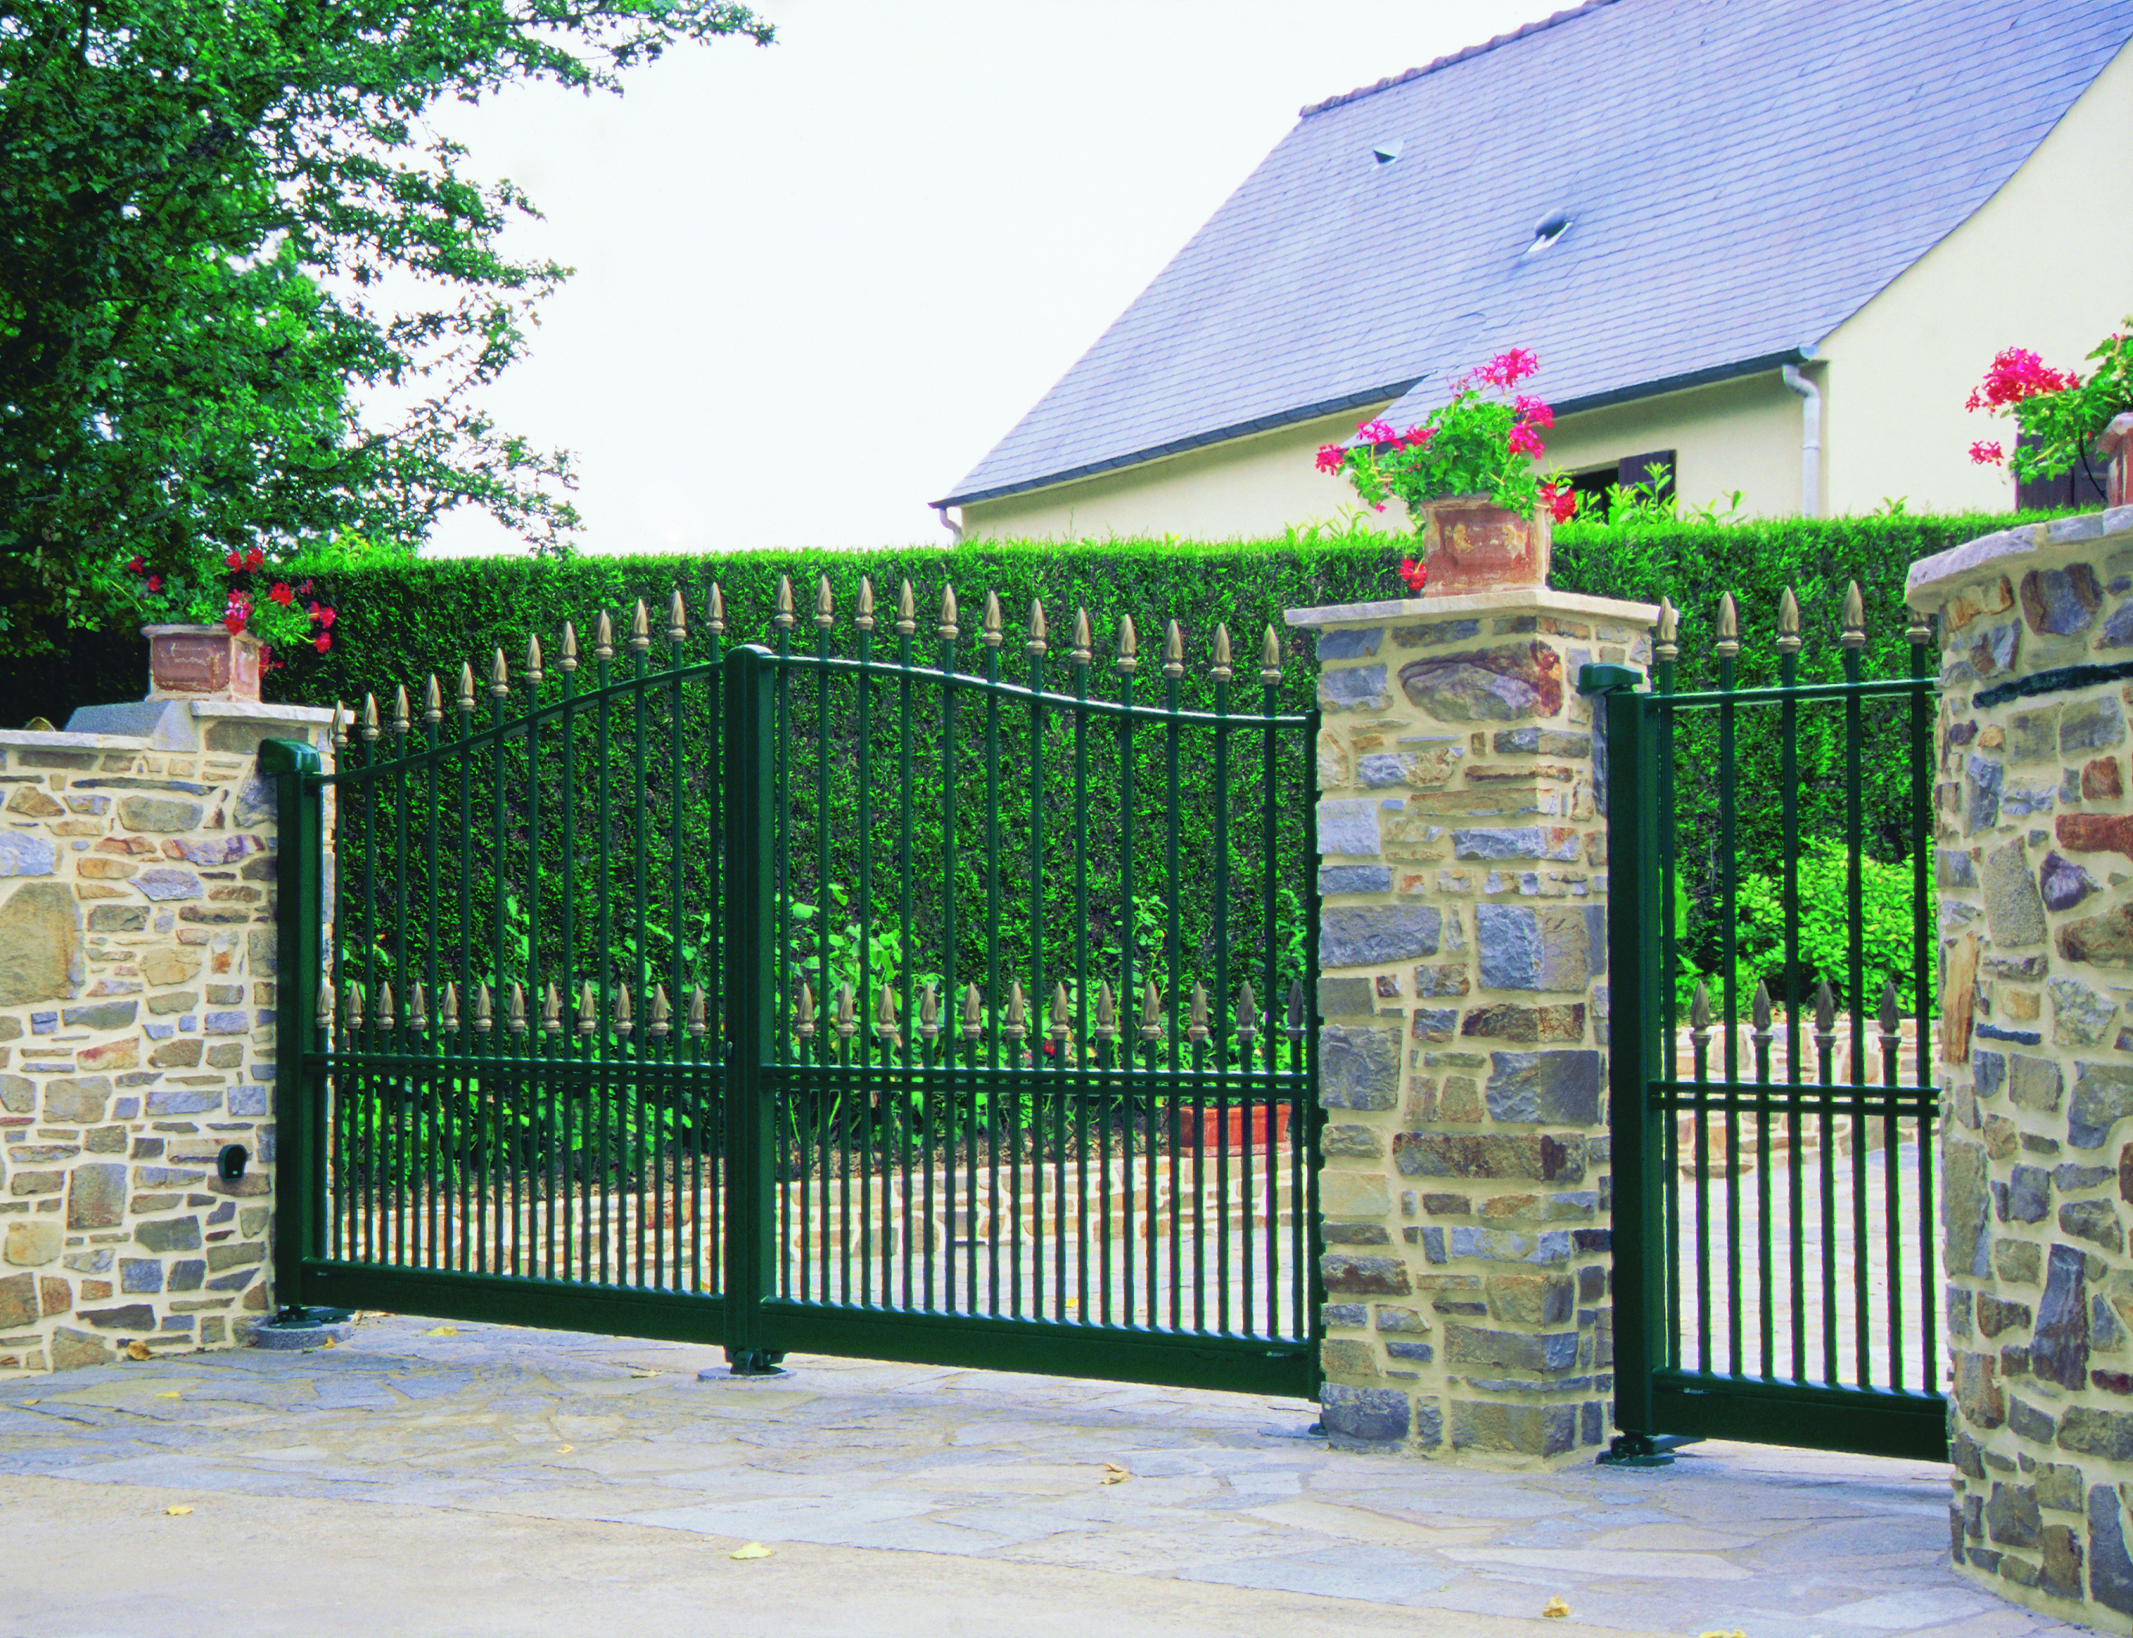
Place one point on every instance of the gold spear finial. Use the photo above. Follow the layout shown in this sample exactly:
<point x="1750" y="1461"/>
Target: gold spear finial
<point x="1759" y="1008"/>
<point x="640" y="628"/>
<point x="1728" y="644"/>
<point x="1151" y="1013"/>
<point x="499" y="677"/>
<point x="1017" y="1012"/>
<point x="1221" y="670"/>
<point x="677" y="618"/>
<point x="698" y="1011"/>
<point x="825" y="604"/>
<point x="973" y="1013"/>
<point x="551" y="1010"/>
<point x="1667" y="647"/>
<point x="989" y="630"/>
<point x="569" y="661"/>
<point x="466" y="687"/>
<point x="516" y="1017"/>
<point x="1059" y="1011"/>
<point x="946" y="630"/>
<point x="1295" y="1012"/>
<point x="1174" y="651"/>
<point x="432" y="702"/>
<point x="323" y="1018"/>
<point x="418" y="1007"/>
<point x="533" y="678"/>
<point x="354" y="1008"/>
<point x="929" y="1012"/>
<point x="402" y="720"/>
<point x="1037" y="633"/>
<point x="1196" y="1016"/>
<point x="1891" y="1018"/>
<point x="588" y="1007"/>
<point x="886" y="1027"/>
<point x="864" y="619"/>
<point x="715" y="612"/>
<point x="1106" y="1012"/>
<point x="1700" y="1009"/>
<point x="339" y="731"/>
<point x="906" y="609"/>
<point x="623" y="1022"/>
<point x="1788" y="623"/>
<point x="604" y="637"/>
<point x="1247" y="1013"/>
<point x="781" y="611"/>
<point x="804" y="1013"/>
<point x="1270" y="657"/>
<point x="484" y="1008"/>
<point x="370" y="717"/>
<point x="1854" y="618"/>
<point x="662" y="1012"/>
<point x="1128" y="646"/>
<point x="1825" y="1009"/>
<point x="450" y="1020"/>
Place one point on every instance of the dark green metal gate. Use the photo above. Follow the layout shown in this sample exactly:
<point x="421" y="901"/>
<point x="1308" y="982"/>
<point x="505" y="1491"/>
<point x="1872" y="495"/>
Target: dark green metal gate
<point x="1774" y="1218"/>
<point x="807" y="1001"/>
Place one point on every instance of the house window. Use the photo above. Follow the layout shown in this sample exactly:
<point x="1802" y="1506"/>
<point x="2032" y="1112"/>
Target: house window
<point x="2078" y="490"/>
<point x="1595" y="488"/>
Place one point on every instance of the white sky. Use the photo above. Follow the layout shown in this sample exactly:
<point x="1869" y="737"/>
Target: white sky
<point x="817" y="281"/>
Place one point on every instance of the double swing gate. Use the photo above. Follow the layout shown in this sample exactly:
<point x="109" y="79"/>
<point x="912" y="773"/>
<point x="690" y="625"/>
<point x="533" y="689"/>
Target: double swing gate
<point x="798" y="1000"/>
<point x="1772" y="1105"/>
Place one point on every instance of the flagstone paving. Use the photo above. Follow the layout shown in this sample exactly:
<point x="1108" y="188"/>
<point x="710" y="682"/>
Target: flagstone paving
<point x="1210" y="1511"/>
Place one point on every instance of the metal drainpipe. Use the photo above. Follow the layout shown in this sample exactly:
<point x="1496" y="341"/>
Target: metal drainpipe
<point x="954" y="528"/>
<point x="1810" y="437"/>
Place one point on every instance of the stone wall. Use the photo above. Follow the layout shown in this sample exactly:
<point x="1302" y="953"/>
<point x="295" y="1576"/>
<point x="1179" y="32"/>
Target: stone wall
<point x="137" y="956"/>
<point x="2035" y="831"/>
<point x="1463" y="999"/>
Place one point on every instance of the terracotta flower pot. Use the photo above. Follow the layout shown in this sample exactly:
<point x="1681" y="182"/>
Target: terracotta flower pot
<point x="202" y="663"/>
<point x="1242" y="1131"/>
<point x="1472" y="546"/>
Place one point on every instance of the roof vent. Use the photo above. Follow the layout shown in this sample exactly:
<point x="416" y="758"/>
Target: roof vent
<point x="1551" y="229"/>
<point x="1386" y="152"/>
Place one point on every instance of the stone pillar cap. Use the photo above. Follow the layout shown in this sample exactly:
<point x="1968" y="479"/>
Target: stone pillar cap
<point x="1509" y="600"/>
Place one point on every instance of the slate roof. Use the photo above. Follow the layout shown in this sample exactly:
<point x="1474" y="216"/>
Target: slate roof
<point x="1741" y="176"/>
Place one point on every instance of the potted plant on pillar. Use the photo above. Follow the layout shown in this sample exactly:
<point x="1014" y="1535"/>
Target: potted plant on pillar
<point x="2063" y="420"/>
<point x="1466" y="474"/>
<point x="212" y="633"/>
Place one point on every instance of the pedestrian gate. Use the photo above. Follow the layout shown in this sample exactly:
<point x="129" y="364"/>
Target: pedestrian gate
<point x="797" y="1001"/>
<point x="1774" y="1220"/>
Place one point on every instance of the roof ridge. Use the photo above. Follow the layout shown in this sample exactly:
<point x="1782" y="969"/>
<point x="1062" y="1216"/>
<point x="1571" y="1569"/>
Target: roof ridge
<point x="1386" y="84"/>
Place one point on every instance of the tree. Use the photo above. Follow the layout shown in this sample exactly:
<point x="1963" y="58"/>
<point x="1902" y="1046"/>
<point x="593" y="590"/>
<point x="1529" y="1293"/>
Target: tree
<point x="222" y="222"/>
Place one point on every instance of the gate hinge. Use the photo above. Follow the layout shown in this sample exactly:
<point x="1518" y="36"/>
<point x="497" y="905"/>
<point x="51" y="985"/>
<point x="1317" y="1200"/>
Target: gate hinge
<point x="1606" y="679"/>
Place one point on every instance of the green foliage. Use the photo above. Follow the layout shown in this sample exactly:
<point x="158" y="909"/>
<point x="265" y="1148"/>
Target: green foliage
<point x="206" y="203"/>
<point x="1885" y="923"/>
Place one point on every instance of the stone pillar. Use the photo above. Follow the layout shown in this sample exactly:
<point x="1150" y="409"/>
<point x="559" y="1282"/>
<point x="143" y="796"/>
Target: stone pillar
<point x="2035" y="871"/>
<point x="137" y="953"/>
<point x="1463" y="1004"/>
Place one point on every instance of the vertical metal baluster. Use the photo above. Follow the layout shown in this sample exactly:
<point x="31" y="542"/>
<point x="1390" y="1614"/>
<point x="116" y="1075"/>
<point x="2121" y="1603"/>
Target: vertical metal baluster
<point x="704" y="1211"/>
<point x="1302" y="1275"/>
<point x="1087" y="1087"/>
<point x="712" y="1147"/>
<point x="1728" y="650"/>
<point x="835" y="1115"/>
<point x="456" y="1257"/>
<point x="991" y="633"/>
<point x="570" y="1171"/>
<point x="556" y="1050"/>
<point x="781" y="621"/>
<point x="1918" y="635"/>
<point x="1247" y="1178"/>
<point x="867" y="1097"/>
<point x="432" y="718"/>
<point x="472" y="1207"/>
<point x="1108" y="1060"/>
<point x="671" y="1172"/>
<point x="1128" y="662"/>
<point x="1766" y="1314"/>
<point x="373" y="1174"/>
<point x="629" y="1065"/>
<point x="1222" y="672"/>
<point x="832" y="1108"/>
<point x="1825" y="1052"/>
<point x="947" y="631"/>
<point x="1789" y="792"/>
<point x="1062" y="1042"/>
<point x="1152" y="1044"/>
<point x="1270" y="867"/>
<point x="791" y="1241"/>
<point x="407" y="1125"/>
<point x="362" y="1164"/>
<point x="1853" y="639"/>
<point x="605" y="1048"/>
<point x="1666" y="652"/>
<point x="659" y="1060"/>
<point x="537" y="1073"/>
<point x="487" y="1205"/>
<point x="521" y="1211"/>
<point x="1173" y="675"/>
<point x="1196" y="1033"/>
<point x="914" y="1093"/>
<point x="1044" y="1097"/>
<point x="498" y="1092"/>
<point x="1700" y="1041"/>
<point x="588" y="1051"/>
<point x="334" y="895"/>
<point x="1013" y="1031"/>
<point x="640" y="887"/>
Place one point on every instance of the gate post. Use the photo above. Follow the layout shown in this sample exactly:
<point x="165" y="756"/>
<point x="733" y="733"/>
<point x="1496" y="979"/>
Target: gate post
<point x="300" y="933"/>
<point x="750" y="1168"/>
<point x="1463" y="1008"/>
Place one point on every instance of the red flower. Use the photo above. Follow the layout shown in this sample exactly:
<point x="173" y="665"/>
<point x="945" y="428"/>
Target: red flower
<point x="282" y="595"/>
<point x="136" y="567"/>
<point x="1415" y="437"/>
<point x="1562" y="504"/>
<point x="1415" y="574"/>
<point x="1523" y="440"/>
<point x="321" y="615"/>
<point x="1509" y="368"/>
<point x="254" y="558"/>
<point x="1534" y="413"/>
<point x="155" y="582"/>
<point x="1331" y="458"/>
<point x="1377" y="432"/>
<point x="232" y="561"/>
<point x="2016" y="374"/>
<point x="1987" y="454"/>
<point x="322" y="642"/>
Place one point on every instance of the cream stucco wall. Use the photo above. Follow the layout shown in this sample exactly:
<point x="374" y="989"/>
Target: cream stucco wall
<point x="2046" y="263"/>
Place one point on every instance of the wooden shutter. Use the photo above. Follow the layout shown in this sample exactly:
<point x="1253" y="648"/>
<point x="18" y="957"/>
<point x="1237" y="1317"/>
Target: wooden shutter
<point x="2080" y="489"/>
